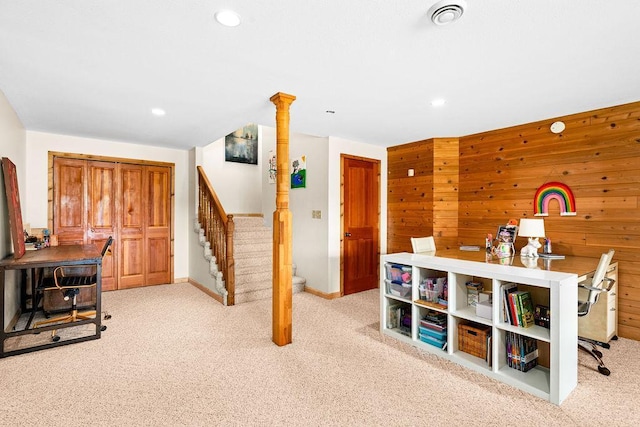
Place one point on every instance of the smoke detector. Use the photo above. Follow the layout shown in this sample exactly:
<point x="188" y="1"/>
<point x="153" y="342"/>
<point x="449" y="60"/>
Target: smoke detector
<point x="446" y="11"/>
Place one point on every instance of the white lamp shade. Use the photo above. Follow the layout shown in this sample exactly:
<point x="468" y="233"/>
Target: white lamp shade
<point x="530" y="227"/>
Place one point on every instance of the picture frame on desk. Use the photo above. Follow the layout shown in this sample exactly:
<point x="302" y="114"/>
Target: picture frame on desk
<point x="507" y="234"/>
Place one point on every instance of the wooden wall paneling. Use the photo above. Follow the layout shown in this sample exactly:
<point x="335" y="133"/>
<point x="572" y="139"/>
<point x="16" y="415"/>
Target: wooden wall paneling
<point x="446" y="172"/>
<point x="409" y="198"/>
<point x="597" y="156"/>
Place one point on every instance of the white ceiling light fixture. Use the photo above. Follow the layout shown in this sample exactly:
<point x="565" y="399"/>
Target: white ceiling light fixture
<point x="446" y="11"/>
<point x="557" y="127"/>
<point x="438" y="102"/>
<point x="228" y="18"/>
<point x="158" y="112"/>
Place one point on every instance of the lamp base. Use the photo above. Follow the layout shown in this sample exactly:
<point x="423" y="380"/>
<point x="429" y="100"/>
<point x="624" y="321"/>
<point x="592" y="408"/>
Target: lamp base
<point x="531" y="250"/>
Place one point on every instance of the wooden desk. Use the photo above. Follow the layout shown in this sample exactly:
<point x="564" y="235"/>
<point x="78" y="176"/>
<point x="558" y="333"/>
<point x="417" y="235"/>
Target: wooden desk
<point x="68" y="255"/>
<point x="601" y="324"/>
<point x="581" y="266"/>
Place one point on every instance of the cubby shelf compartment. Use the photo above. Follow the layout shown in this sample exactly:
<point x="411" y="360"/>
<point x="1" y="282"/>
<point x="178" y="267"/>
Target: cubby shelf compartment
<point x="559" y="290"/>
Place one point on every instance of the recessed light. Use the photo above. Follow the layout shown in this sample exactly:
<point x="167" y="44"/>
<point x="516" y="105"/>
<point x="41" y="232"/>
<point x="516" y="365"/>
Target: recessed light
<point x="228" y="18"/>
<point x="158" y="112"/>
<point x="438" y="102"/>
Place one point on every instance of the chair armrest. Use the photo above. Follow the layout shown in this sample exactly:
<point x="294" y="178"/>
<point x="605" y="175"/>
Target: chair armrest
<point x="598" y="290"/>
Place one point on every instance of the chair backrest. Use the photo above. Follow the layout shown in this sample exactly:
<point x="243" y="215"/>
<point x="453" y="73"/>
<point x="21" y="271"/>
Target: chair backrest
<point x="601" y="270"/>
<point x="423" y="244"/>
<point x="106" y="245"/>
<point x="597" y="281"/>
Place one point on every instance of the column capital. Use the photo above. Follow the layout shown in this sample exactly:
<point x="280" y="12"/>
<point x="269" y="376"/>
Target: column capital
<point x="282" y="99"/>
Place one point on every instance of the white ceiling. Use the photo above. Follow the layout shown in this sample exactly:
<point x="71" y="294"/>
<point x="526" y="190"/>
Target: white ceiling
<point x="96" y="67"/>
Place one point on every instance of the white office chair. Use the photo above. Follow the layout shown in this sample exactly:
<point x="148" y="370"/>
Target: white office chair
<point x="423" y="245"/>
<point x="595" y="286"/>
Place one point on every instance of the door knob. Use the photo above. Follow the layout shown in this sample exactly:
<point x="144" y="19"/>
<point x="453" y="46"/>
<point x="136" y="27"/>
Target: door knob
<point x="347" y="234"/>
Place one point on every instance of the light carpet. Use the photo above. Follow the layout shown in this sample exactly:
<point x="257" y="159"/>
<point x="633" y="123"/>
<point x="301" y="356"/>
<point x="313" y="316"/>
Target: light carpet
<point x="173" y="356"/>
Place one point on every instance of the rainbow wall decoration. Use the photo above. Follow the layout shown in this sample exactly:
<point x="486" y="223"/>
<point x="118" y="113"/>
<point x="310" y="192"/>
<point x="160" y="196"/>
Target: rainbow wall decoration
<point x="554" y="191"/>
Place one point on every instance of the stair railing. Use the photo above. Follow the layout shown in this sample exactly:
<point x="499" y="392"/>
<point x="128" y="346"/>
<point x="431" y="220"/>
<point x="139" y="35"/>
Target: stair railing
<point x="218" y="230"/>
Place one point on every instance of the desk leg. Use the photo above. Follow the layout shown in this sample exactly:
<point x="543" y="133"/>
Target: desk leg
<point x="34" y="298"/>
<point x="98" y="298"/>
<point x="3" y="336"/>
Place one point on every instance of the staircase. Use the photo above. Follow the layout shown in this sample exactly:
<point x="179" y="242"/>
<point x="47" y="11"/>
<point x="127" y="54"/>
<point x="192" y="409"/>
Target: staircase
<point x="253" y="259"/>
<point x="253" y="255"/>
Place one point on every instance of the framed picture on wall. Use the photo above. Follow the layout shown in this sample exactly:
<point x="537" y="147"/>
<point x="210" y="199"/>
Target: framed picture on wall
<point x="299" y="172"/>
<point x="241" y="146"/>
<point x="13" y="202"/>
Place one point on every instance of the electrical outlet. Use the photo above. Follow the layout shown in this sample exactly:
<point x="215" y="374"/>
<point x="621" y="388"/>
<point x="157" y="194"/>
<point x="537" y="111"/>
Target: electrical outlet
<point x="316" y="214"/>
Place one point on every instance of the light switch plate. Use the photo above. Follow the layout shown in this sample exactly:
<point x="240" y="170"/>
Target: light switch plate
<point x="316" y="214"/>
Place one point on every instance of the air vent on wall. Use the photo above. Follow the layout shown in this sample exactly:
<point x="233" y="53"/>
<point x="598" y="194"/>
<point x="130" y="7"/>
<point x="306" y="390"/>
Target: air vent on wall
<point x="446" y="11"/>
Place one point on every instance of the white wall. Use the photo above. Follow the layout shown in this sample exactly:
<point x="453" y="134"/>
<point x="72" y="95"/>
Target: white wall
<point x="237" y="185"/>
<point x="309" y="234"/>
<point x="316" y="243"/>
<point x="39" y="144"/>
<point x="13" y="146"/>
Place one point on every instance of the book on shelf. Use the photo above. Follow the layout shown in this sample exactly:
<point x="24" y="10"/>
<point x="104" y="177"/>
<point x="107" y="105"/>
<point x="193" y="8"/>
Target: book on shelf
<point x="506" y="289"/>
<point x="522" y="352"/>
<point x="513" y="306"/>
<point x="525" y="307"/>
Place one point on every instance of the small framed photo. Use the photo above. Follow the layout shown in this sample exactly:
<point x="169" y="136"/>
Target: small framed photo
<point x="507" y="234"/>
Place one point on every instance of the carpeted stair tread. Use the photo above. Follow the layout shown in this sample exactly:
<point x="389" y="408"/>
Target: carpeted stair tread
<point x="253" y="259"/>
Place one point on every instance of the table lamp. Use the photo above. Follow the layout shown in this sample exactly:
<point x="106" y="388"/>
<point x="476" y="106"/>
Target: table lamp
<point x="533" y="229"/>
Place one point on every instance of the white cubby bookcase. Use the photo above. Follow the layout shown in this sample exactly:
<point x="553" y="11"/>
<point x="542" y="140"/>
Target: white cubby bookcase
<point x="556" y="374"/>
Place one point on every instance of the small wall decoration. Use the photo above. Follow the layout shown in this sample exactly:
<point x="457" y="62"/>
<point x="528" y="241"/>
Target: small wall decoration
<point x="13" y="200"/>
<point x="272" y="167"/>
<point x="554" y="191"/>
<point x="241" y="146"/>
<point x="299" y="172"/>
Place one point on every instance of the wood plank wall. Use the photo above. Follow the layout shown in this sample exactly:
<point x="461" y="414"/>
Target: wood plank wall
<point x="597" y="156"/>
<point x="409" y="199"/>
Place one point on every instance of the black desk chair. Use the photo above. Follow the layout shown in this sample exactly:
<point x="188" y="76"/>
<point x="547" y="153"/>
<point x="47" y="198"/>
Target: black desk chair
<point x="595" y="286"/>
<point x="70" y="286"/>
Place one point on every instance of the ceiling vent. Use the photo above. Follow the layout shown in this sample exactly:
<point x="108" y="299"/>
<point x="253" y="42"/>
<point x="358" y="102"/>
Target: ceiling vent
<point x="446" y="11"/>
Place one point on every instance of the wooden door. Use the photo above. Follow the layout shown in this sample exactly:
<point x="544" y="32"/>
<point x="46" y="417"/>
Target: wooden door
<point x="101" y="216"/>
<point x="69" y="206"/>
<point x="158" y="241"/>
<point x="145" y="221"/>
<point x="132" y="223"/>
<point x="93" y="200"/>
<point x="85" y="206"/>
<point x="360" y="223"/>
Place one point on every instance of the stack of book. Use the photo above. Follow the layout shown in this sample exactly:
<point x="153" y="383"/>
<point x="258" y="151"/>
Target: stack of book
<point x="522" y="352"/>
<point x="433" y="329"/>
<point x="517" y="306"/>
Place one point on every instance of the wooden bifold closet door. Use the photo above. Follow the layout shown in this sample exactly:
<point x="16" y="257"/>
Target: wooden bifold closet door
<point x="93" y="200"/>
